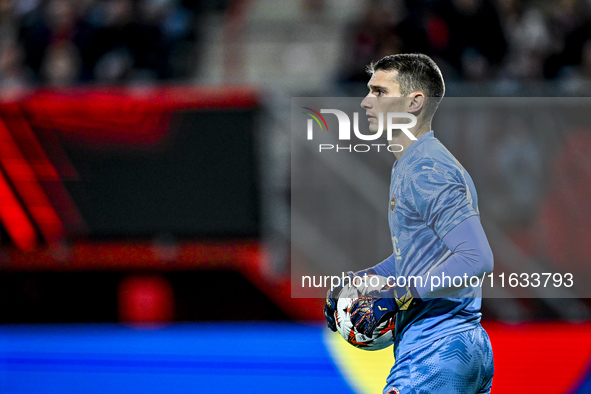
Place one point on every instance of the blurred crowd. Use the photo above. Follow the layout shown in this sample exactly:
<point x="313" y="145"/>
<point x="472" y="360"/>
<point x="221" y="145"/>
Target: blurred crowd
<point x="478" y="40"/>
<point x="65" y="42"/>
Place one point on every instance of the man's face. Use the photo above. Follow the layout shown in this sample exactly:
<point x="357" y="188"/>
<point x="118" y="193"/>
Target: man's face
<point x="382" y="98"/>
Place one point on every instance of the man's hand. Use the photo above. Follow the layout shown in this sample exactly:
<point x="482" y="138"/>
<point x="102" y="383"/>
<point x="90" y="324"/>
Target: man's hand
<point x="331" y="306"/>
<point x="332" y="296"/>
<point x="369" y="310"/>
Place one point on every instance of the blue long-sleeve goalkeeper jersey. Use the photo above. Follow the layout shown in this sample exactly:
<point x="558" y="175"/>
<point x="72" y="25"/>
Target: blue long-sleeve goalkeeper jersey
<point x="430" y="194"/>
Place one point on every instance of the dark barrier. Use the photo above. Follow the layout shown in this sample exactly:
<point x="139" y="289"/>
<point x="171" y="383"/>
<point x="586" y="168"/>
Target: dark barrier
<point x="127" y="164"/>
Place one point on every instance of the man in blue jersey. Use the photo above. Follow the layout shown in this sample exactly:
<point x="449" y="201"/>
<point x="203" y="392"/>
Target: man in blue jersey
<point x="440" y="346"/>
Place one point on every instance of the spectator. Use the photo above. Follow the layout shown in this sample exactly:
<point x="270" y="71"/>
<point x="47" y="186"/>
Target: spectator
<point x="14" y="76"/>
<point x="61" y="65"/>
<point x="530" y="41"/>
<point x="9" y="25"/>
<point x="52" y="22"/>
<point x="375" y="35"/>
<point x="570" y="26"/>
<point x="476" y="46"/>
<point x="108" y="41"/>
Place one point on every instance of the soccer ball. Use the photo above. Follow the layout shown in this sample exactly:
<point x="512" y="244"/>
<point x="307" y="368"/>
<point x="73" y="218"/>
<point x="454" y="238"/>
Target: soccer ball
<point x="383" y="335"/>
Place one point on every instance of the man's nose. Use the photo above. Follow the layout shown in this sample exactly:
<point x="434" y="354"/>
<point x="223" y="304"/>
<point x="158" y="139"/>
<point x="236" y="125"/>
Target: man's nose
<point x="367" y="102"/>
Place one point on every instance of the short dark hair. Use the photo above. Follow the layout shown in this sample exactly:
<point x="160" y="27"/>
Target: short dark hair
<point x="415" y="72"/>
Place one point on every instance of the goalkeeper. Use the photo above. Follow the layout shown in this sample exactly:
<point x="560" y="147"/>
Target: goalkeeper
<point x="440" y="346"/>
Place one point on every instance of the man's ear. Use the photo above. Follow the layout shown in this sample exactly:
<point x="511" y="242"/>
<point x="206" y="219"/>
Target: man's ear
<point x="417" y="102"/>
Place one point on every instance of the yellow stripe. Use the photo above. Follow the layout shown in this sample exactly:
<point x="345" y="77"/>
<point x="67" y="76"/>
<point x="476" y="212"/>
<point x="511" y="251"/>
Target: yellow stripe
<point x="316" y="119"/>
<point x="365" y="371"/>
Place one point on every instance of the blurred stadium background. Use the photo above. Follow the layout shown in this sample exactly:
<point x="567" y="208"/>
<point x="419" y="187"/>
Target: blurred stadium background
<point x="145" y="187"/>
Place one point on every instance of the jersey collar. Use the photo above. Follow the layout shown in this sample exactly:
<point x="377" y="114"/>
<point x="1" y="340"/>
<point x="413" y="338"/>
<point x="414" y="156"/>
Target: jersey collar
<point x="425" y="137"/>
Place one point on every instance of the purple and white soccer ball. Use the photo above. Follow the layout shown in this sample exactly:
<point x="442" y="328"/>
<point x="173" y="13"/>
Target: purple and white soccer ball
<point x="383" y="335"/>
